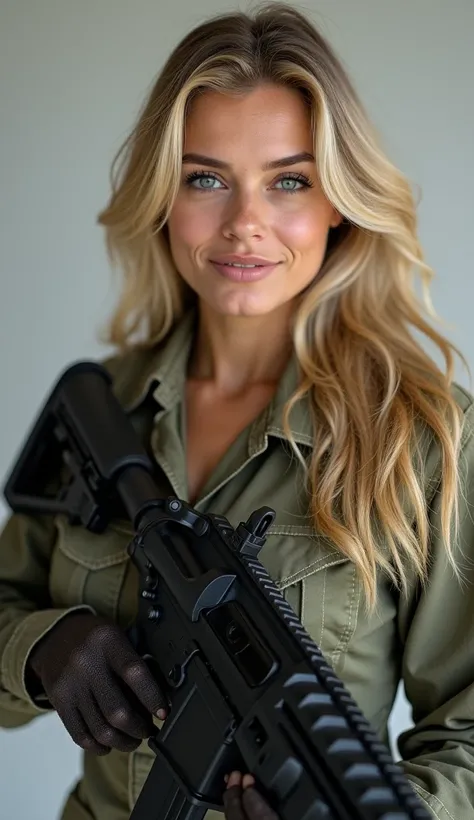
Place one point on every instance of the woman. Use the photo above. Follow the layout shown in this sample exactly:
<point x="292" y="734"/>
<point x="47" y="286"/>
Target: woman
<point x="267" y="350"/>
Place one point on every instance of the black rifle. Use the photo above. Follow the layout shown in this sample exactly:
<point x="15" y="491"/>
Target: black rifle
<point x="247" y="686"/>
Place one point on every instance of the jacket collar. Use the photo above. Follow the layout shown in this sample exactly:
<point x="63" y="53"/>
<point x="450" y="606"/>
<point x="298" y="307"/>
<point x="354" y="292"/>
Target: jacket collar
<point x="162" y="370"/>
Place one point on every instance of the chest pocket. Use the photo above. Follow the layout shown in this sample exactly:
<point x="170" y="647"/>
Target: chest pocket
<point x="89" y="569"/>
<point x="319" y="583"/>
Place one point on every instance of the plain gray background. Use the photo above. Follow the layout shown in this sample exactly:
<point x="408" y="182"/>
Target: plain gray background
<point x="72" y="76"/>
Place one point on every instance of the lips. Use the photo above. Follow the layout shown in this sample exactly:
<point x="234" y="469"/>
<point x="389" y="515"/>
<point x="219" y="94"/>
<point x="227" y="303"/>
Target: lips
<point x="237" y="259"/>
<point x="244" y="274"/>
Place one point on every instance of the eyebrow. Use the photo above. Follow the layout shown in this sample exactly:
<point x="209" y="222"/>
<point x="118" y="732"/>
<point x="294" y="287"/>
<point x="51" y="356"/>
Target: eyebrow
<point x="199" y="159"/>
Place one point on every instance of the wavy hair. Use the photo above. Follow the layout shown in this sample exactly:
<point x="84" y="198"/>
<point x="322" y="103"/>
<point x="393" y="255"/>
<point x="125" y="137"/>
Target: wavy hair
<point x="368" y="380"/>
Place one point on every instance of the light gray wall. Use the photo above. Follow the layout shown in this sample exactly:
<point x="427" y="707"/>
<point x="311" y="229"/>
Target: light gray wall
<point x="72" y="76"/>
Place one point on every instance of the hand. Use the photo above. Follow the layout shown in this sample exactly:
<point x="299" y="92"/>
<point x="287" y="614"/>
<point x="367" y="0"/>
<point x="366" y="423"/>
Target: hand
<point x="102" y="690"/>
<point x="243" y="802"/>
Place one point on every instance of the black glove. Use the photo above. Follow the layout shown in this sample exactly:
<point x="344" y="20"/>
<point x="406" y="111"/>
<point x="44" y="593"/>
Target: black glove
<point x="243" y="802"/>
<point x="102" y="690"/>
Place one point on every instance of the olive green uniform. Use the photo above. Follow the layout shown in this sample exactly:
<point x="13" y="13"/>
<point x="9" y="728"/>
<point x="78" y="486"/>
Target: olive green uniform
<point x="48" y="567"/>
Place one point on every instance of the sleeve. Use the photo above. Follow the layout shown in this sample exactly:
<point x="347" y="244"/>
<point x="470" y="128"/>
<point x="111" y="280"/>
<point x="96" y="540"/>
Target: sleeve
<point x="26" y="611"/>
<point x="437" y="632"/>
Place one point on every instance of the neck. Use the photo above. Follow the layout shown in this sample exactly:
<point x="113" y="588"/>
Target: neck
<point x="238" y="352"/>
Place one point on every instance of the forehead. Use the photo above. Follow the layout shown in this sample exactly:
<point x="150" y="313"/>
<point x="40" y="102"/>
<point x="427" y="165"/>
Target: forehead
<point x="268" y="120"/>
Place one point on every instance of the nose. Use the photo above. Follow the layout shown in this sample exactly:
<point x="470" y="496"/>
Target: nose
<point x="245" y="217"/>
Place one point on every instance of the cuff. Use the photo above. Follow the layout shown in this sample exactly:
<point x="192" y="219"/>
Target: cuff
<point x="29" y="631"/>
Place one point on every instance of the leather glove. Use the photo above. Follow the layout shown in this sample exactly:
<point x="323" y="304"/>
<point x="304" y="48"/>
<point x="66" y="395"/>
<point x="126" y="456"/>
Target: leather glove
<point x="243" y="802"/>
<point x="102" y="690"/>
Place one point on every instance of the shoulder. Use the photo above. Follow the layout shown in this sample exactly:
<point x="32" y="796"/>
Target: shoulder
<point x="465" y="401"/>
<point x="135" y="368"/>
<point x="428" y="445"/>
<point x="119" y="364"/>
<point x="131" y="372"/>
<point x="462" y="396"/>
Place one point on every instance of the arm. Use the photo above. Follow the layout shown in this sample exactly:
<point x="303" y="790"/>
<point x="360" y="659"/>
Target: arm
<point x="437" y="631"/>
<point x="26" y="611"/>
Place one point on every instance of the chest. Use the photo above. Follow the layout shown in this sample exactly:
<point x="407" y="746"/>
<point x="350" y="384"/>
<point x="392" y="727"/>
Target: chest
<point x="212" y="422"/>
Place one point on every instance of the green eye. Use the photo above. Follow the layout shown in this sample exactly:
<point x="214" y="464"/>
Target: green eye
<point x="289" y="184"/>
<point x="292" y="188"/>
<point x="201" y="177"/>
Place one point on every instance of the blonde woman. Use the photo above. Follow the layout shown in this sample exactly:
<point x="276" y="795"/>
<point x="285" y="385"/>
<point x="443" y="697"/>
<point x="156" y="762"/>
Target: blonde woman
<point x="268" y="349"/>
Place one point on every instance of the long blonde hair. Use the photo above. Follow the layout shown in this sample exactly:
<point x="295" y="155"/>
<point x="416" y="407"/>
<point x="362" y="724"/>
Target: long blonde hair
<point x="368" y="380"/>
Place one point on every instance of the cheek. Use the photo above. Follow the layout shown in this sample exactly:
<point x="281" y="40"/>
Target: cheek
<point x="190" y="226"/>
<point x="304" y="230"/>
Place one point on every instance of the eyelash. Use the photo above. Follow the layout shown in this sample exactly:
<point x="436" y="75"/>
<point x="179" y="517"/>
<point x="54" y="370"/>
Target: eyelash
<point x="208" y="174"/>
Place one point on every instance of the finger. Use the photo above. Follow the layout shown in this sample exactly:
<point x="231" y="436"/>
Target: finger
<point x="101" y="730"/>
<point x="123" y="710"/>
<point x="248" y="780"/>
<point x="136" y="674"/>
<point x="256" y="808"/>
<point x="234" y="779"/>
<point x="78" y="730"/>
<point x="232" y="800"/>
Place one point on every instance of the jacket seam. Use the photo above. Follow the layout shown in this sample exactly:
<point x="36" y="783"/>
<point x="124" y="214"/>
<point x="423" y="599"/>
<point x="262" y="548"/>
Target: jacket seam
<point x="348" y="630"/>
<point x="427" y="799"/>
<point x="291" y="529"/>
<point x="323" y="609"/>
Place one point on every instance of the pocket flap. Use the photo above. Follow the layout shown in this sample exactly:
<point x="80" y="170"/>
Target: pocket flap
<point x="292" y="553"/>
<point x="91" y="550"/>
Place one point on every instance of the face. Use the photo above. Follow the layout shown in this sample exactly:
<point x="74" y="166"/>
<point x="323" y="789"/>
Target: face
<point x="249" y="227"/>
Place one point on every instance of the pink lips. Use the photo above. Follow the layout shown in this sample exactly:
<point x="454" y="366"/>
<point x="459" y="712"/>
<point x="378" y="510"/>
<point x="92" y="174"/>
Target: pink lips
<point x="264" y="267"/>
<point x="244" y="274"/>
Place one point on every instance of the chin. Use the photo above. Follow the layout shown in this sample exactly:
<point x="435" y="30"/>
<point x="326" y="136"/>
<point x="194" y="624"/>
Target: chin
<point x="244" y="307"/>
